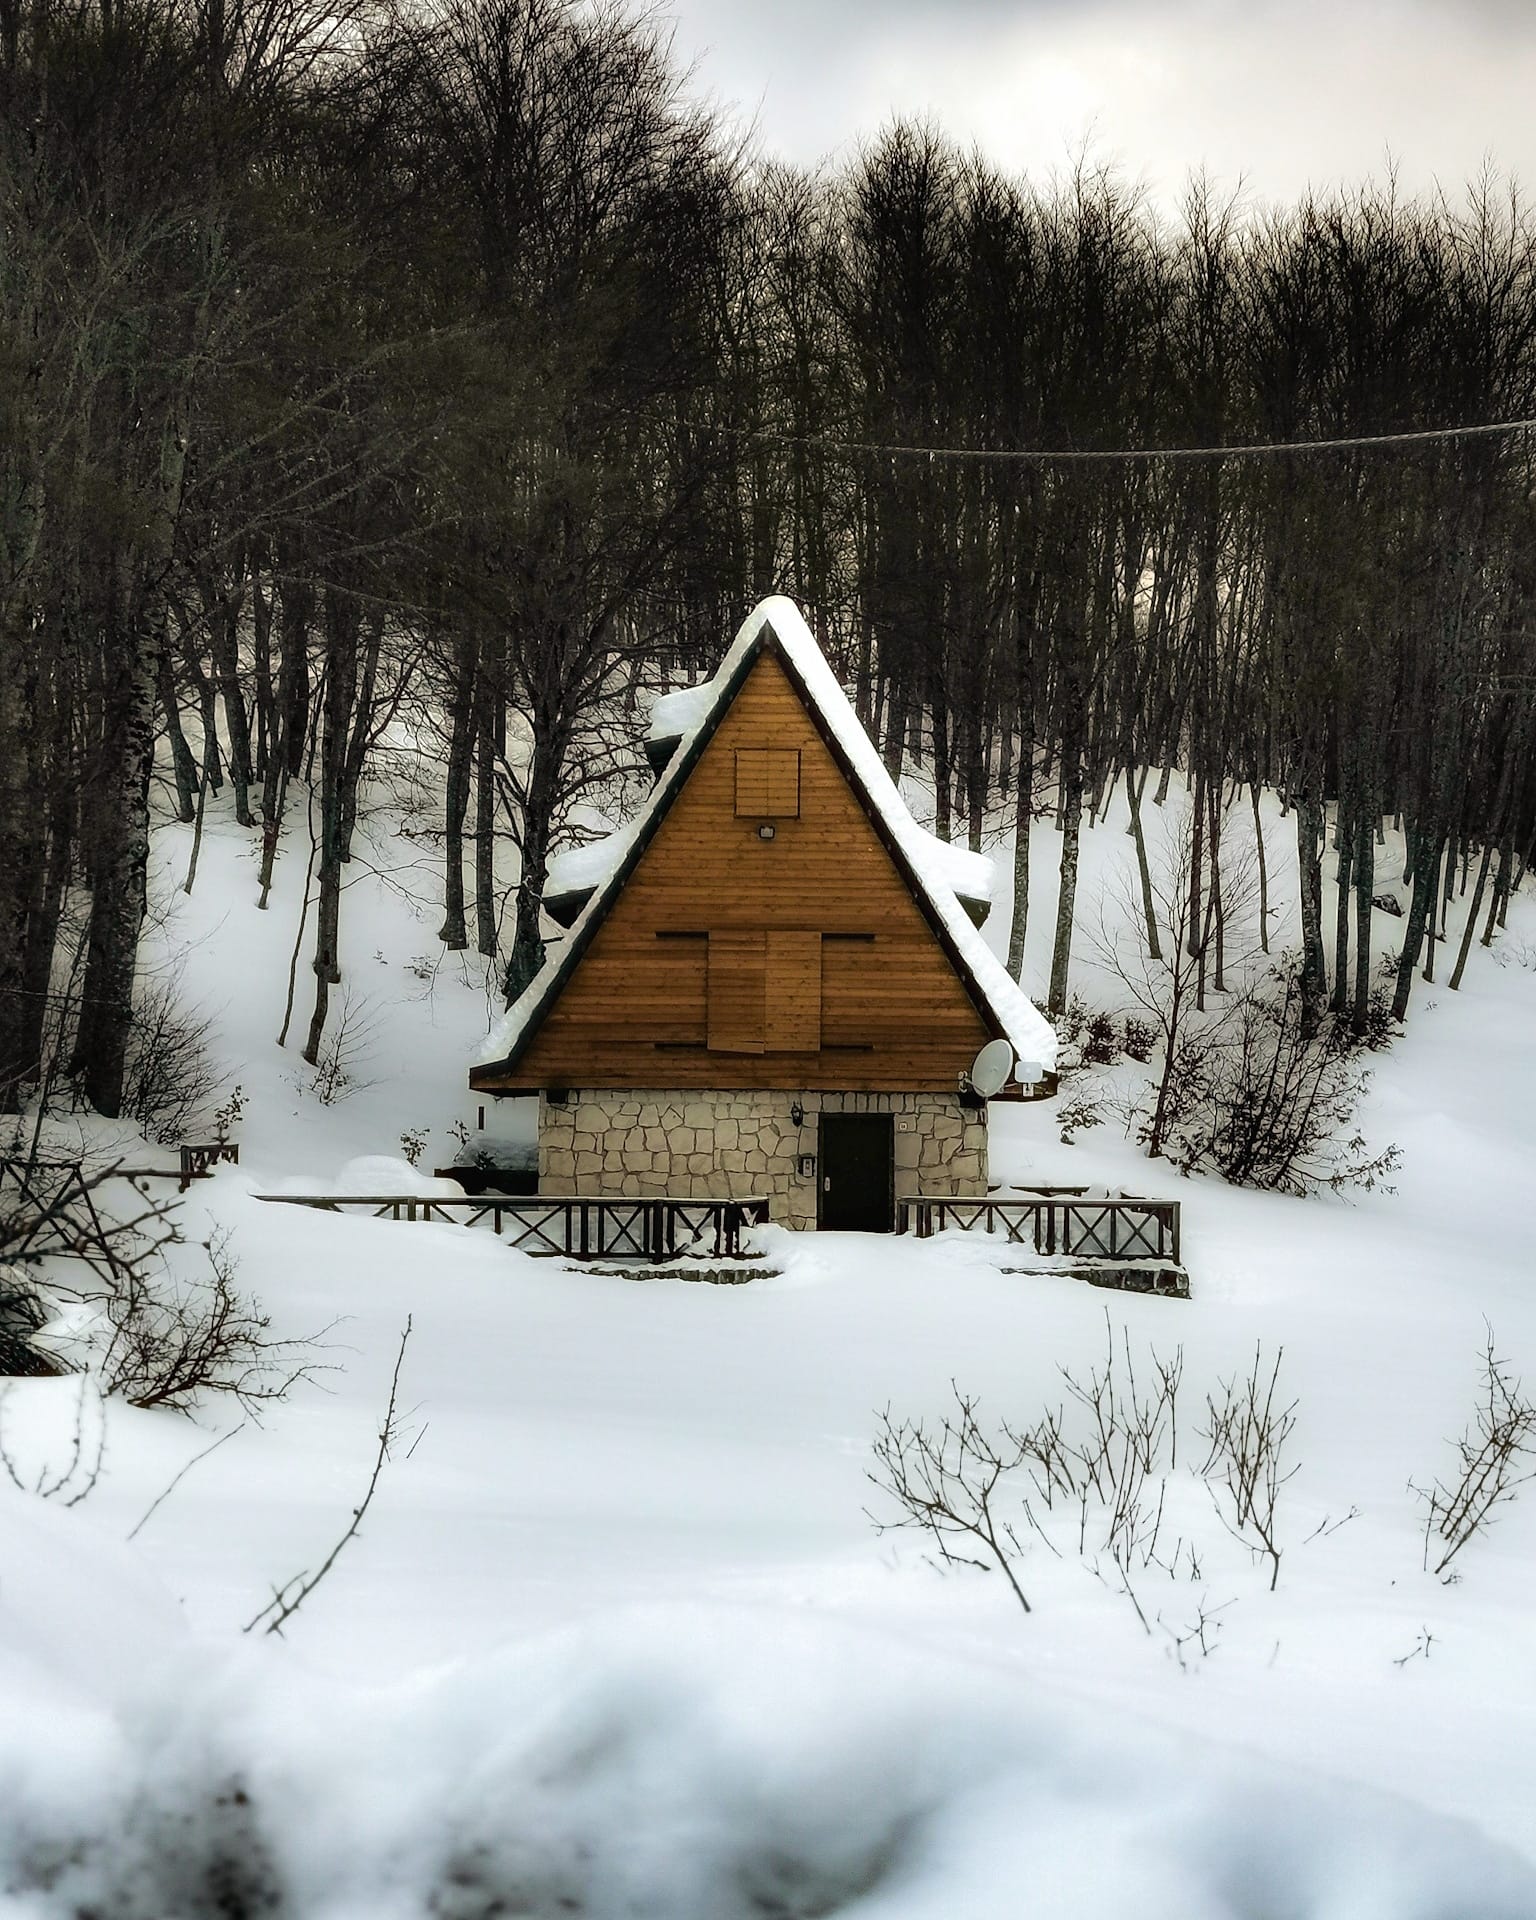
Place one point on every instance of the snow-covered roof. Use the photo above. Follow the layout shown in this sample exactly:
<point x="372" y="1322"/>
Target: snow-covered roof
<point x="679" y="712"/>
<point x="577" y="868"/>
<point x="937" y="867"/>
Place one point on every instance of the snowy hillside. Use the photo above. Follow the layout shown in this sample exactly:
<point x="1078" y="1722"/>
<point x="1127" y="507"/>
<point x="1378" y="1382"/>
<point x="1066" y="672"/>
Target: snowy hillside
<point x="618" y="1636"/>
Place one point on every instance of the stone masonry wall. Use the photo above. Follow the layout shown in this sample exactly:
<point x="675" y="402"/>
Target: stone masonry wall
<point x="718" y="1146"/>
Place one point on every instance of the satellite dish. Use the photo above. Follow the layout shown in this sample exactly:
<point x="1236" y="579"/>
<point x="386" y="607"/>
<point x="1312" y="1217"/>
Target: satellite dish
<point x="991" y="1068"/>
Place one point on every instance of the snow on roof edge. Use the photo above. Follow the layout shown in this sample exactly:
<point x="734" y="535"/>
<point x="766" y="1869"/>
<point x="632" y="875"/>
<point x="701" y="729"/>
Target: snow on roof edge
<point x="1030" y="1035"/>
<point x="933" y="861"/>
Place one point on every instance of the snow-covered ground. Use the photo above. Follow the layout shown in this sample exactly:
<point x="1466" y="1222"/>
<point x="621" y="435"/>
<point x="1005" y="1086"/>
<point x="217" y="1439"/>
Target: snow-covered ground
<point x="618" y="1636"/>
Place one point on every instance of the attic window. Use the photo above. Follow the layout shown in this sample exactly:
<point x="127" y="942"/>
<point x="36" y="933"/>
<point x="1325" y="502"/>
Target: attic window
<point x="767" y="783"/>
<point x="764" y="992"/>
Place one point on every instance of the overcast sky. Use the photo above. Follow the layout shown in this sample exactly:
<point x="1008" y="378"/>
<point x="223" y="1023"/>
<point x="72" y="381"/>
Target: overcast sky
<point x="1282" y="95"/>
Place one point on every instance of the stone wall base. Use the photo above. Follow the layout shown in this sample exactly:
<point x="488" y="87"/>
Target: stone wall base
<point x="721" y="1146"/>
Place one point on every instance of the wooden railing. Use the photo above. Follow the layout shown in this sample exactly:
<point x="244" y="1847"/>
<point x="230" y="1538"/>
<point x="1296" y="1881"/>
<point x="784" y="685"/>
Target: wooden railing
<point x="577" y="1228"/>
<point x="198" y="1162"/>
<point x="1126" y="1228"/>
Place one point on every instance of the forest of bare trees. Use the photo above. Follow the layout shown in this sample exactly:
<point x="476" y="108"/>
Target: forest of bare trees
<point x="445" y="366"/>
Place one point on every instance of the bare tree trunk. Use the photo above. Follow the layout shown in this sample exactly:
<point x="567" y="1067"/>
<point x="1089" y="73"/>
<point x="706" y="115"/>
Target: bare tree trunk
<point x="1023" y="819"/>
<point x="359" y="736"/>
<point x="340" y="694"/>
<point x="183" y="765"/>
<point x="1218" y="912"/>
<point x="1343" y="843"/>
<point x="119" y="871"/>
<point x="541" y="786"/>
<point x="1472" y="912"/>
<point x="224" y="632"/>
<point x="485" y="825"/>
<point x="1365" y="887"/>
<point x="453" y="932"/>
<point x="290" y="725"/>
<point x="1258" y="845"/>
<point x="1314" y="968"/>
<point x="1066" y="900"/>
<point x="22" y="859"/>
<point x="1133" y="794"/>
<point x="1420" y="907"/>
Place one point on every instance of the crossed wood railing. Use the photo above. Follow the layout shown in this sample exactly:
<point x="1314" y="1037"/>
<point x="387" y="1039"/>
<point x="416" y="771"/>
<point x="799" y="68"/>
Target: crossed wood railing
<point x="577" y="1228"/>
<point x="1127" y="1228"/>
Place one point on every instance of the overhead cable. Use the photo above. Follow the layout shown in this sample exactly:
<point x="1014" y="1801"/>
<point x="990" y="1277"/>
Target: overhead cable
<point x="1125" y="456"/>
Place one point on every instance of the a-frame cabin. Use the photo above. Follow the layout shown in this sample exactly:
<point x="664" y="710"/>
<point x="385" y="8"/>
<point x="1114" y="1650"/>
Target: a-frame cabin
<point x="770" y="985"/>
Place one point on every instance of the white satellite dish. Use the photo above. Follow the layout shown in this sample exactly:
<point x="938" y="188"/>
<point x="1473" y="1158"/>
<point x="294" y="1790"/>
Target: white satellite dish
<point x="991" y="1068"/>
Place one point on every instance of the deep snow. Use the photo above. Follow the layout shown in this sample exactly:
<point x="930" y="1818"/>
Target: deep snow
<point x="619" y="1630"/>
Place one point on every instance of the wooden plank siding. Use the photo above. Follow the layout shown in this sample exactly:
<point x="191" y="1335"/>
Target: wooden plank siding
<point x="792" y="992"/>
<point x="891" y="1012"/>
<point x="737" y="1019"/>
<point x="767" y="782"/>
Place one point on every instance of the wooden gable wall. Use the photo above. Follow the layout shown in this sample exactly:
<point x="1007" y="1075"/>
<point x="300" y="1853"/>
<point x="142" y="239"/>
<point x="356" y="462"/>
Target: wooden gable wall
<point x="639" y="1008"/>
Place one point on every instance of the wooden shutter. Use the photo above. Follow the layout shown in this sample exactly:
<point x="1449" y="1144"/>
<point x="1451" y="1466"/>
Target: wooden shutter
<point x="767" y="782"/>
<point x="736" y="992"/>
<point x="792" y="1015"/>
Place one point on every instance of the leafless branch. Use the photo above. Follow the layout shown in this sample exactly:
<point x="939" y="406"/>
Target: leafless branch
<point x="288" y="1598"/>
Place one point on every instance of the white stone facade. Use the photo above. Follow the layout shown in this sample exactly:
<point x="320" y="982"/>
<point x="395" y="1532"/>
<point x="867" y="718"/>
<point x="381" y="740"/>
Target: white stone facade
<point x="710" y="1145"/>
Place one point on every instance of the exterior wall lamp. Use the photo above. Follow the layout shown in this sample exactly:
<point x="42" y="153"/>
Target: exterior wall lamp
<point x="767" y="830"/>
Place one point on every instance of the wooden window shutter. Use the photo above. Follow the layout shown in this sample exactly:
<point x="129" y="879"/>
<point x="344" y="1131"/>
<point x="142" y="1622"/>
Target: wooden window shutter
<point x="792" y="1015"/>
<point x="767" y="782"/>
<point x="736" y="991"/>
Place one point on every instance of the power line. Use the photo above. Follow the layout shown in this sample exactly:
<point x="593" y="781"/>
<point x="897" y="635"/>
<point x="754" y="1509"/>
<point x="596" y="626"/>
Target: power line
<point x="1128" y="456"/>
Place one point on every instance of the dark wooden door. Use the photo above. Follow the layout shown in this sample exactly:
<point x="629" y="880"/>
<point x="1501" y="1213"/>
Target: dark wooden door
<point x="855" y="1165"/>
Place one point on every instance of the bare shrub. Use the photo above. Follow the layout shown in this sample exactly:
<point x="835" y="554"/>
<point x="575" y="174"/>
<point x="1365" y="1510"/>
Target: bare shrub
<point x="173" y="1340"/>
<point x="165" y="1339"/>
<point x="1098" y="1477"/>
<point x="72" y="1481"/>
<point x="62" y="1209"/>
<point x="170" y="1080"/>
<point x="1197" y="1638"/>
<point x="1495" y="1456"/>
<point x="952" y="1483"/>
<point x="1266" y="1095"/>
<point x="22" y="1314"/>
<point x="1116" y="1473"/>
<point x="967" y="1483"/>
<point x="342" y="1061"/>
<point x="1248" y="1430"/>
<point x="1076" y="1114"/>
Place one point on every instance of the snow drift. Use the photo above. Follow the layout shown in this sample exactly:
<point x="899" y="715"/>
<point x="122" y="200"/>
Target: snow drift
<point x="668" y="1764"/>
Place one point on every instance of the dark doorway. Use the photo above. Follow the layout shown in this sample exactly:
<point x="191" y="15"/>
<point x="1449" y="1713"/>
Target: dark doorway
<point x="855" y="1164"/>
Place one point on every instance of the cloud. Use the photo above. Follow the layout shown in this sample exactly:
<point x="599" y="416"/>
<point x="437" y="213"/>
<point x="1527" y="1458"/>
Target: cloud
<point x="1310" y="92"/>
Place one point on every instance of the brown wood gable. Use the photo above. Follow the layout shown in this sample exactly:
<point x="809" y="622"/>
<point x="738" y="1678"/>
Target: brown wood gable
<point x="726" y="959"/>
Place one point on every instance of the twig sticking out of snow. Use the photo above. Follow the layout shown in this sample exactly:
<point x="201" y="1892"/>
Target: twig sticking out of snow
<point x="291" y="1595"/>
<point x="71" y="1483"/>
<point x="1496" y="1455"/>
<point x="165" y="1495"/>
<point x="1248" y="1430"/>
